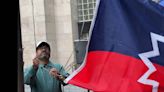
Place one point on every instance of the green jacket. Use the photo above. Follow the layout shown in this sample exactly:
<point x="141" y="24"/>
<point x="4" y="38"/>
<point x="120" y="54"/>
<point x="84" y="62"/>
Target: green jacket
<point x="41" y="80"/>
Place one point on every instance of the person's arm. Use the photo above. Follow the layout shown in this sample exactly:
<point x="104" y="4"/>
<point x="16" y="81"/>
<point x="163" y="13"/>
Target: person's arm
<point x="30" y="73"/>
<point x="60" y="74"/>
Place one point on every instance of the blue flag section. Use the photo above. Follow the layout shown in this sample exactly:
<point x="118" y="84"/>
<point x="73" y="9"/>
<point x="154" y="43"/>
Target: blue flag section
<point x="161" y="3"/>
<point x="124" y="26"/>
<point x="126" y="48"/>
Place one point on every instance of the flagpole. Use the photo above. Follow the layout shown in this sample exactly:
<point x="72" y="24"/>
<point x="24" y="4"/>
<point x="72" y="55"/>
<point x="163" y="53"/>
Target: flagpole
<point x="20" y="78"/>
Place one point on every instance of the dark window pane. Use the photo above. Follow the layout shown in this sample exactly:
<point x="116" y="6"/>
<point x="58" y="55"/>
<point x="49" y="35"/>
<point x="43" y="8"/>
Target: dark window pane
<point x="90" y="1"/>
<point x="85" y="12"/>
<point x="90" y="11"/>
<point x="90" y="5"/>
<point x="85" y="6"/>
<point x="80" y="18"/>
<point x="84" y="1"/>
<point x="91" y="16"/>
<point x="86" y="17"/>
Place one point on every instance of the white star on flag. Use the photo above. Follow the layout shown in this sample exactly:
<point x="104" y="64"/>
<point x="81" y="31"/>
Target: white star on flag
<point x="151" y="69"/>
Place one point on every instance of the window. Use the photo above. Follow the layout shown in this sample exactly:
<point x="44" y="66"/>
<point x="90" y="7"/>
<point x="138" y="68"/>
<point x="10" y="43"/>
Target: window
<point x="86" y="10"/>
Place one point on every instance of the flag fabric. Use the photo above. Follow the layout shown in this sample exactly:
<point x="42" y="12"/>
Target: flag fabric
<point x="126" y="48"/>
<point x="161" y="3"/>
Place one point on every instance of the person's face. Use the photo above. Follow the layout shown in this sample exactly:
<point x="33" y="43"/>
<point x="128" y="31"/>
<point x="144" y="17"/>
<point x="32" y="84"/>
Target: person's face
<point x="43" y="53"/>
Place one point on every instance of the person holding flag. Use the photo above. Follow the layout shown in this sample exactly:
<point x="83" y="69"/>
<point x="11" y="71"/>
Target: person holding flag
<point x="43" y="75"/>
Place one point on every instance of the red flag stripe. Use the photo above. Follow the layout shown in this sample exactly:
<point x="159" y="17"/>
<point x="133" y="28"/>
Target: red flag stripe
<point x="113" y="72"/>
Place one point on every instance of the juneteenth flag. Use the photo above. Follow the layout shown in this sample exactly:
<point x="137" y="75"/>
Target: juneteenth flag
<point x="126" y="48"/>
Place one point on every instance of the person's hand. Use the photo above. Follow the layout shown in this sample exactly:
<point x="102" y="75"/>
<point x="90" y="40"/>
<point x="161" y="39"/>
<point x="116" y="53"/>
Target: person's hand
<point x="61" y="77"/>
<point x="35" y="63"/>
<point x="53" y="72"/>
